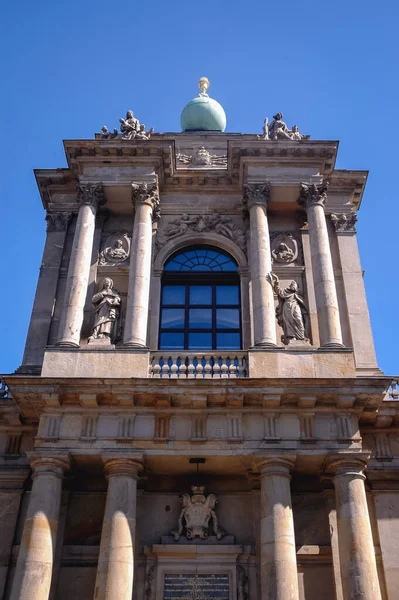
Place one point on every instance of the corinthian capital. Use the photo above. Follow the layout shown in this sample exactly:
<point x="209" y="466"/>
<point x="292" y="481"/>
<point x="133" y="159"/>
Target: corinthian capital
<point x="312" y="194"/>
<point x="257" y="193"/>
<point x="146" y="193"/>
<point x="57" y="221"/>
<point x="90" y="194"/>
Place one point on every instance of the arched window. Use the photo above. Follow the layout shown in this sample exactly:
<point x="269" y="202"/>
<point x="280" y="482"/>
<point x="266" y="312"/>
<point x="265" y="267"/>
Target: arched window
<point x="200" y="303"/>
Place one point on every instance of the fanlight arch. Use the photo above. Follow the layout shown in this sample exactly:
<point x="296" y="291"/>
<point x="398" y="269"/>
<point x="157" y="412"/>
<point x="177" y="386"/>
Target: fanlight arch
<point x="215" y="240"/>
<point x="200" y="300"/>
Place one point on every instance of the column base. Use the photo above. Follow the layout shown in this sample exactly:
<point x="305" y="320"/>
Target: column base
<point x="134" y="345"/>
<point x="66" y="344"/>
<point x="332" y="345"/>
<point x="264" y="345"/>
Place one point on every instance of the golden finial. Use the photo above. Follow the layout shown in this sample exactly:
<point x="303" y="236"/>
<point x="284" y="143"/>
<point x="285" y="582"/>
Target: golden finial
<point x="204" y="84"/>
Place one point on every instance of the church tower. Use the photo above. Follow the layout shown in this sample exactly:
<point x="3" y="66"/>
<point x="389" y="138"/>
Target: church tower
<point x="199" y="413"/>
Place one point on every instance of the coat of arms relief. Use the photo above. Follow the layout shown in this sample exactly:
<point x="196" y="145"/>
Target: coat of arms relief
<point x="196" y="514"/>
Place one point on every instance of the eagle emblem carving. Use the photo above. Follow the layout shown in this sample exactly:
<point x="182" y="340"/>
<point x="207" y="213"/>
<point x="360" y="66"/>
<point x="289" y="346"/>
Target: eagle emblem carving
<point x="196" y="513"/>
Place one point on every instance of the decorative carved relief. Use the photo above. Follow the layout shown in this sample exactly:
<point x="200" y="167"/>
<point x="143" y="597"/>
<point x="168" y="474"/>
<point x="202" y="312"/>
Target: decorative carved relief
<point x="89" y="428"/>
<point x="271" y="428"/>
<point x="284" y="247"/>
<point x="343" y="223"/>
<point x="242" y="584"/>
<point x="202" y="158"/>
<point x="221" y="224"/>
<point x="57" y="221"/>
<point x="197" y="511"/>
<point x="150" y="583"/>
<point x="116" y="250"/>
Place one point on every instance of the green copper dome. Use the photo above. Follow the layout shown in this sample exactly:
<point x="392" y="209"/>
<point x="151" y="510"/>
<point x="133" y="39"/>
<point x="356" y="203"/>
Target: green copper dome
<point x="203" y="113"/>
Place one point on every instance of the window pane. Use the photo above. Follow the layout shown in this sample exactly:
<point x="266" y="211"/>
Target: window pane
<point x="228" y="341"/>
<point x="171" y="341"/>
<point x="174" y="294"/>
<point x="227" y="318"/>
<point x="172" y="318"/>
<point x="200" y="341"/>
<point x="200" y="294"/>
<point x="227" y="294"/>
<point x="200" y="318"/>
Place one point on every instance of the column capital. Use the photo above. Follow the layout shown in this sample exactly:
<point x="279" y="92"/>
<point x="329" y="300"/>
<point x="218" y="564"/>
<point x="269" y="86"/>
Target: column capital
<point x="257" y="193"/>
<point x="351" y="464"/>
<point x="122" y="465"/>
<point x="146" y="193"/>
<point x="279" y="464"/>
<point x="55" y="463"/>
<point x="312" y="195"/>
<point x="90" y="194"/>
<point x="57" y="221"/>
<point x="344" y="223"/>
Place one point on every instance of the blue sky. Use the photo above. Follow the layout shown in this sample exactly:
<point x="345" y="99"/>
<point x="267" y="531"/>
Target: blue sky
<point x="70" y="67"/>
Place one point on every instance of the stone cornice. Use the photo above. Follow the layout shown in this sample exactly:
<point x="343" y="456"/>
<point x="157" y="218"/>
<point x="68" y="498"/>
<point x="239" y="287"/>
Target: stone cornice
<point x="58" y="186"/>
<point x="34" y="395"/>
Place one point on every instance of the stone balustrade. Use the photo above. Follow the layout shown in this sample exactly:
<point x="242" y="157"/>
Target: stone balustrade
<point x="208" y="365"/>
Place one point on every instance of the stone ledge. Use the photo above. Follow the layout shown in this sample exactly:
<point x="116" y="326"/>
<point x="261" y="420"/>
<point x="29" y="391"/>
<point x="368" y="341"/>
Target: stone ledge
<point x="314" y="363"/>
<point x="82" y="362"/>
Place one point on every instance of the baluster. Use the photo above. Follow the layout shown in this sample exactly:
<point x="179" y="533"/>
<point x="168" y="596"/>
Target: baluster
<point x="200" y="368"/>
<point x="183" y="368"/>
<point x="232" y="368"/>
<point x="191" y="368"/>
<point x="165" y="368"/>
<point x="224" y="369"/>
<point x="207" y="367"/>
<point x="174" y="368"/>
<point x="216" y="367"/>
<point x="156" y="368"/>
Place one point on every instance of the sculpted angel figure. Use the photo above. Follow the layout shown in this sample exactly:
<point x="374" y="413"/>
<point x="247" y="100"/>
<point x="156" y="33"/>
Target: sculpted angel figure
<point x="180" y="226"/>
<point x="291" y="311"/>
<point x="106" y="305"/>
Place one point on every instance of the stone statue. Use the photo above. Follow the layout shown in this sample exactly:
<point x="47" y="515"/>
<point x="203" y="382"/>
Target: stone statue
<point x="197" y="510"/>
<point x="132" y="129"/>
<point x="291" y="312"/>
<point x="106" y="305"/>
<point x="278" y="130"/>
<point x="129" y="126"/>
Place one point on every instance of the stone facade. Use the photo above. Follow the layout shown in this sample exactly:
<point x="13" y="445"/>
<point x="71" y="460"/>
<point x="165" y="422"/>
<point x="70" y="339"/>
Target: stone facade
<point x="269" y="471"/>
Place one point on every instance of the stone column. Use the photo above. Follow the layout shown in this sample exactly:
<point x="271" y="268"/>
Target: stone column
<point x="313" y="199"/>
<point x="145" y="200"/>
<point x="39" y="328"/>
<point x="89" y="197"/>
<point x="279" y="578"/>
<point x="256" y="197"/>
<point x="356" y="549"/>
<point x="115" y="569"/>
<point x="33" y="572"/>
<point x="11" y="487"/>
